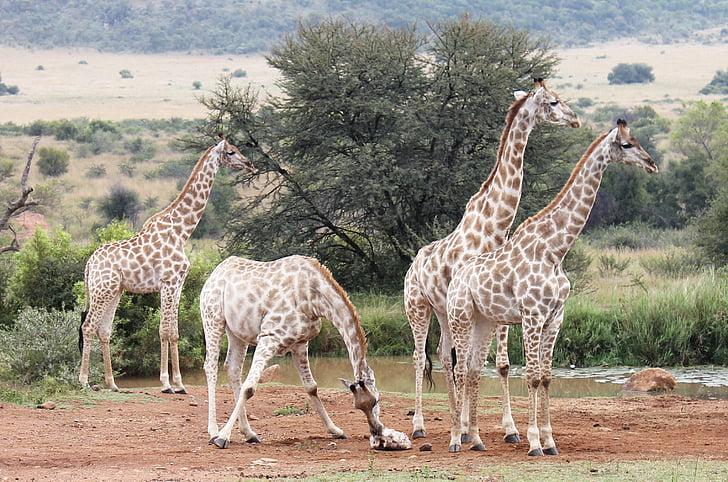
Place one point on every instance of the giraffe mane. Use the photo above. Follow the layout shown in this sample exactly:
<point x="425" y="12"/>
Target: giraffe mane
<point x="349" y="305"/>
<point x="569" y="182"/>
<point x="510" y="116"/>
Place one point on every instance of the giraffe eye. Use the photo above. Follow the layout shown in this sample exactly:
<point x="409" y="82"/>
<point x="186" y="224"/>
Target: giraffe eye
<point x="230" y="153"/>
<point x="554" y="102"/>
<point x="627" y="145"/>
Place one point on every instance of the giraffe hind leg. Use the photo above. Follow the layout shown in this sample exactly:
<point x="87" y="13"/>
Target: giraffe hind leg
<point x="419" y="314"/>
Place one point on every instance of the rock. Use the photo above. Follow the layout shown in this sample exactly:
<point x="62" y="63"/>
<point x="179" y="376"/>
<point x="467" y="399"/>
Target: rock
<point x="264" y="461"/>
<point x="252" y="417"/>
<point x="427" y="447"/>
<point x="390" y="440"/>
<point x="437" y="418"/>
<point x="331" y="446"/>
<point x="47" y="406"/>
<point x="270" y="374"/>
<point x="410" y="413"/>
<point x="651" y="380"/>
<point x="95" y="388"/>
<point x="193" y="403"/>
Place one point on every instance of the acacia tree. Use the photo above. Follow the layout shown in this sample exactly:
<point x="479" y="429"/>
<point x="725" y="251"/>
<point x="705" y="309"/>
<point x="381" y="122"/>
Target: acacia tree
<point x="18" y="205"/>
<point x="378" y="139"/>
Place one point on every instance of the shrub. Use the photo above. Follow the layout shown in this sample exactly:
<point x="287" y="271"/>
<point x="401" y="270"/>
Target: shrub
<point x="611" y="266"/>
<point x="8" y="89"/>
<point x="141" y="149"/>
<point x="576" y="265"/>
<point x="96" y="171"/>
<point x="631" y="74"/>
<point x="43" y="343"/>
<point x="638" y="236"/>
<point x="52" y="161"/>
<point x="82" y="62"/>
<point x="239" y="73"/>
<point x="103" y="141"/>
<point x="121" y="203"/>
<point x="584" y="102"/>
<point x="126" y="74"/>
<point x="40" y="67"/>
<point x="672" y="264"/>
<point x="719" y="84"/>
<point x="65" y="130"/>
<point x="7" y="169"/>
<point x="127" y="169"/>
<point x="197" y="85"/>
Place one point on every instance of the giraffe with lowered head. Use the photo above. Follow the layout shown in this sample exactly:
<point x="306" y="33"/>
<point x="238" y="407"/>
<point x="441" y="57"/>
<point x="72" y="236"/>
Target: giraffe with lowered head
<point x="485" y="224"/>
<point x="523" y="282"/>
<point x="152" y="260"/>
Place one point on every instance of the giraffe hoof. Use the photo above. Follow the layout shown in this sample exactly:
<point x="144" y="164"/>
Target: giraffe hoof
<point x="221" y="443"/>
<point x="535" y="453"/>
<point x="341" y="435"/>
<point x="180" y="391"/>
<point x="551" y="451"/>
<point x="478" y="447"/>
<point x="454" y="448"/>
<point x="512" y="438"/>
<point x="466" y="438"/>
<point x="418" y="434"/>
<point x="253" y="440"/>
<point x="167" y="390"/>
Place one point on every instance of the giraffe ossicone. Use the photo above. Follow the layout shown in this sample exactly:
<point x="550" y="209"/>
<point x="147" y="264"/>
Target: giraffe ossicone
<point x="278" y="307"/>
<point x="523" y="282"/>
<point x="153" y="260"/>
<point x="486" y="222"/>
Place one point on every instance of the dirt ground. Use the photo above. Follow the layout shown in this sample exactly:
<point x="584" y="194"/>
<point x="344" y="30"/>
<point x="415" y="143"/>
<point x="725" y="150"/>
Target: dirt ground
<point x="156" y="436"/>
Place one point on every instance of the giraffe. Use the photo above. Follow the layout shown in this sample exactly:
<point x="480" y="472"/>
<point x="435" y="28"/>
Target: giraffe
<point x="152" y="260"/>
<point x="485" y="224"/>
<point x="278" y="306"/>
<point x="523" y="282"/>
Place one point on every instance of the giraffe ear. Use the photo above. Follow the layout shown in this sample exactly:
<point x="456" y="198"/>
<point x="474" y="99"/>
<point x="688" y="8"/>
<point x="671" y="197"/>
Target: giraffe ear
<point x="519" y="94"/>
<point x="349" y="385"/>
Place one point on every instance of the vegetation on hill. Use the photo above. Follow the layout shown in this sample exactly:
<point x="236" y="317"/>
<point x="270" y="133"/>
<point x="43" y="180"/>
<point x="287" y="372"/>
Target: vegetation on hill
<point x="719" y="84"/>
<point x="631" y="74"/>
<point x="237" y="27"/>
<point x="6" y="89"/>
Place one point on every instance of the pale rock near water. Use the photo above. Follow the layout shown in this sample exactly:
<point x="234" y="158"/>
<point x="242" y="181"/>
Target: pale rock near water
<point x="651" y="380"/>
<point x="390" y="440"/>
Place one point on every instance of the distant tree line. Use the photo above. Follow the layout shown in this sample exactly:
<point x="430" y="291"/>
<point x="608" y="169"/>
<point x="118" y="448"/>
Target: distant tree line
<point x="230" y="26"/>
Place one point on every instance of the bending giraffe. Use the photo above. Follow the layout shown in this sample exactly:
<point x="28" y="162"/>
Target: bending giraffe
<point x="485" y="224"/>
<point x="278" y="307"/>
<point x="523" y="282"/>
<point x="152" y="260"/>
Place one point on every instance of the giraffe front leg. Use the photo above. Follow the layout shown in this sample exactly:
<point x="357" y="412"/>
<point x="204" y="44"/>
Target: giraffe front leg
<point x="531" y="344"/>
<point x="419" y="314"/>
<point x="300" y="358"/>
<point x="267" y="347"/>
<point x="104" y="333"/>
<point x="234" y="361"/>
<point x="549" y="335"/>
<point x="213" y="326"/>
<point x="169" y="318"/>
<point x="503" y="366"/>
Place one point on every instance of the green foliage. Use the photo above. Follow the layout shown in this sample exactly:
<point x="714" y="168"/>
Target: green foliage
<point x="239" y="73"/>
<point x="42" y="343"/>
<point x="673" y="264"/>
<point x="8" y="89"/>
<point x="96" y="171"/>
<point x="46" y="268"/>
<point x="197" y="85"/>
<point x="363" y="189"/>
<point x="631" y="74"/>
<point x="289" y="410"/>
<point x="611" y="266"/>
<point x="126" y="74"/>
<point x="120" y="203"/>
<point x="226" y="26"/>
<point x="576" y="265"/>
<point x="719" y="84"/>
<point x="638" y="236"/>
<point x="52" y="161"/>
<point x="8" y="307"/>
<point x="713" y="239"/>
<point x="7" y="169"/>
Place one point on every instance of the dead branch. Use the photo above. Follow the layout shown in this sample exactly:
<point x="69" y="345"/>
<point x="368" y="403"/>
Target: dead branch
<point x="20" y="205"/>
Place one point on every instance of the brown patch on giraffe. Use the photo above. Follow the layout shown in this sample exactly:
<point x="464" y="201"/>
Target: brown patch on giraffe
<point x="567" y="186"/>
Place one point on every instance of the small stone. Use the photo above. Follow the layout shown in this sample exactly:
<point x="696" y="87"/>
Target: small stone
<point x="625" y="427"/>
<point x="252" y="417"/>
<point x="164" y="413"/>
<point x="193" y="403"/>
<point x="597" y="425"/>
<point x="47" y="406"/>
<point x="410" y="413"/>
<point x="572" y="367"/>
<point x="593" y="471"/>
<point x="426" y="447"/>
<point x="412" y="457"/>
<point x="439" y="419"/>
<point x="651" y="380"/>
<point x="331" y="446"/>
<point x="95" y="388"/>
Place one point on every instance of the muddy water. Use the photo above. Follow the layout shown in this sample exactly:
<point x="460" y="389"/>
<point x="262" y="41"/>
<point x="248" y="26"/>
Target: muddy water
<point x="396" y="374"/>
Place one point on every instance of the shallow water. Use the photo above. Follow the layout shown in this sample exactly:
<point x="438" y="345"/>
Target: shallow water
<point x="396" y="374"/>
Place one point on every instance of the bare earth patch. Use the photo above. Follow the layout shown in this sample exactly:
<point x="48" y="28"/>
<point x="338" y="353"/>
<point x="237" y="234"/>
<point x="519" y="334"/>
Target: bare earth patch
<point x="143" y="440"/>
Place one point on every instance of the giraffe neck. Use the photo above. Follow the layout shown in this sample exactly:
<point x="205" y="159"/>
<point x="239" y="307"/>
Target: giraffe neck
<point x="499" y="196"/>
<point x="187" y="209"/>
<point x="561" y="222"/>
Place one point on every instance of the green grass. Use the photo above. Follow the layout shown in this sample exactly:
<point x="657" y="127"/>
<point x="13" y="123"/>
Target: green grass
<point x="61" y="393"/>
<point x="290" y="410"/>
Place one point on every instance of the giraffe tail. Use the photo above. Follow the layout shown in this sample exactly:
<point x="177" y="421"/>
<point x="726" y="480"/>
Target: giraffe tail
<point x="80" y="330"/>
<point x="84" y="313"/>
<point x="428" y="363"/>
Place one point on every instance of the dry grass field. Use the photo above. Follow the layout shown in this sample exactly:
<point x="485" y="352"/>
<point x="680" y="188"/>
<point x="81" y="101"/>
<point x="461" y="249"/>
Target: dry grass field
<point x="162" y="84"/>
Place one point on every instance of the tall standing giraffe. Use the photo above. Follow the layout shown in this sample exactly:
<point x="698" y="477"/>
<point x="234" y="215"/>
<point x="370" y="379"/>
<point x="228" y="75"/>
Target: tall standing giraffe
<point x="485" y="224"/>
<point x="152" y="260"/>
<point x="277" y="306"/>
<point x="523" y="282"/>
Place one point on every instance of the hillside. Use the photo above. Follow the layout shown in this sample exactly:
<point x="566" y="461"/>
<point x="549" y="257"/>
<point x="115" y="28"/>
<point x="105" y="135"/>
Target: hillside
<point x="240" y="26"/>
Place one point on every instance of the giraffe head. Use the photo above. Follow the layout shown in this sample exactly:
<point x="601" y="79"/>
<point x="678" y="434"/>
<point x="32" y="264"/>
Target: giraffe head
<point x="547" y="106"/>
<point x="624" y="148"/>
<point x="231" y="157"/>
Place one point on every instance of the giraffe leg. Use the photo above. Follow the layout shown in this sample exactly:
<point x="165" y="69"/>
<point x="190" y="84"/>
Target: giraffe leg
<point x="104" y="333"/>
<point x="300" y="358"/>
<point x="503" y="366"/>
<point x="531" y="343"/>
<point x="234" y="361"/>
<point x="169" y="337"/>
<point x="480" y="341"/>
<point x="99" y="306"/>
<point x="267" y="347"/>
<point x="445" y="354"/>
<point x="213" y="325"/>
<point x="549" y="335"/>
<point x="419" y="314"/>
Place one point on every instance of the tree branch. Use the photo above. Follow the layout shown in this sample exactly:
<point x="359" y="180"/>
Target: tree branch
<point x="20" y="205"/>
